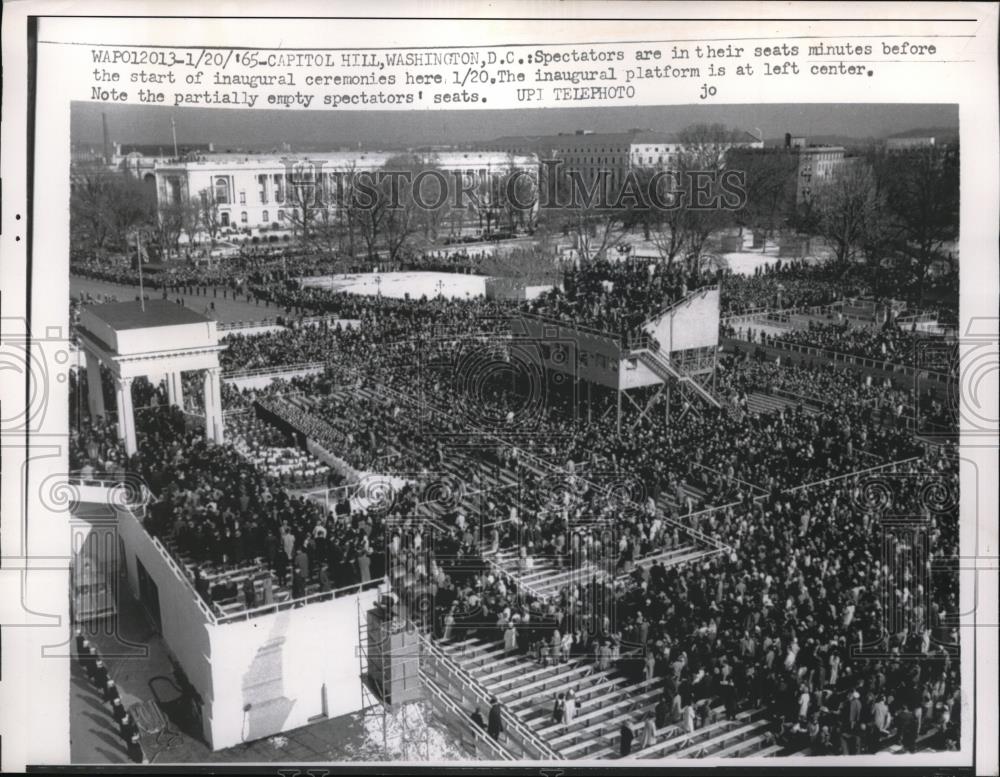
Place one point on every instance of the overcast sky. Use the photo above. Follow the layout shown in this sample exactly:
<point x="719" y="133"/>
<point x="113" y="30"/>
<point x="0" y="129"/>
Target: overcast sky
<point x="242" y="127"/>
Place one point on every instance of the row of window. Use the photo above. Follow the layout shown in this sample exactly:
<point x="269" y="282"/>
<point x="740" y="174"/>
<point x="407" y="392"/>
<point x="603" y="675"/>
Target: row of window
<point x="244" y="218"/>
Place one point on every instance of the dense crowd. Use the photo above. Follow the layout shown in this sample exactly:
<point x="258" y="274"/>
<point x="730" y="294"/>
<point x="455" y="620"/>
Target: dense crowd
<point x="783" y="285"/>
<point x="615" y="297"/>
<point x="802" y="616"/>
<point x="886" y="344"/>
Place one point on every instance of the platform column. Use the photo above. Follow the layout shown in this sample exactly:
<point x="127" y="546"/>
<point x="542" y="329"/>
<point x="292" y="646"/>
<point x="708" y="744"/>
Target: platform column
<point x="126" y="414"/>
<point x="95" y="386"/>
<point x="213" y="405"/>
<point x="175" y="389"/>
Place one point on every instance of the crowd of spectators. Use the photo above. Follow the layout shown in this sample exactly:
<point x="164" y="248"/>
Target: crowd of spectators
<point x="803" y="616"/>
<point x="783" y="285"/>
<point x="886" y="344"/>
<point x="615" y="296"/>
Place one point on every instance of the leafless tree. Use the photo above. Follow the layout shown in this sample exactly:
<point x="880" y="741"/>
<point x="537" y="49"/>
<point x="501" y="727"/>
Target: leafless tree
<point x="849" y="209"/>
<point x="211" y="222"/>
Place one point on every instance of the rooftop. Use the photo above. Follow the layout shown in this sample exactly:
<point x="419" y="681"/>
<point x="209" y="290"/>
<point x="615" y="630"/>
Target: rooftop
<point x="159" y="312"/>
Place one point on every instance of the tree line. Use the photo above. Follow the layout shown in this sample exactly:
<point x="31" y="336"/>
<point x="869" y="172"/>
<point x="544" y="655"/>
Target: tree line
<point x="895" y="213"/>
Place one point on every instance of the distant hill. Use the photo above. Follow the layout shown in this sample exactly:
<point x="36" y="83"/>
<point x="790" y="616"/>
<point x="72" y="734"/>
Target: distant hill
<point x="823" y="140"/>
<point x="942" y="134"/>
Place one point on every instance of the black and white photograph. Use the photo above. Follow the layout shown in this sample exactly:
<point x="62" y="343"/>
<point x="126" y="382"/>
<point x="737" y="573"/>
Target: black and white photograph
<point x="466" y="407"/>
<point x="595" y="443"/>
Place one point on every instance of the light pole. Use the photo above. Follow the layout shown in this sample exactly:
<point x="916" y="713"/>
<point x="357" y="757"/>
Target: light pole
<point x="138" y="259"/>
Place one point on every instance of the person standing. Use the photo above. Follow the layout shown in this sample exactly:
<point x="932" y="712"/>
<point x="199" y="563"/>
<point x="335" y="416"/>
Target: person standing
<point x="569" y="708"/>
<point x="510" y="638"/>
<point x="648" y="731"/>
<point x="495" y="724"/>
<point x="625" y="737"/>
<point x="908" y="727"/>
<point x="662" y="712"/>
<point x="558" y="709"/>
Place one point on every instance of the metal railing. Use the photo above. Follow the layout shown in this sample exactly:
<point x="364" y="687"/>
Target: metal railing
<point x="847" y="358"/>
<point x="228" y="326"/>
<point x="570" y="324"/>
<point x="482" y="739"/>
<point x="546" y="466"/>
<point x="525" y="734"/>
<point x="316" y="596"/>
<point x="855" y="474"/>
<point x="282" y="369"/>
<point x="182" y="575"/>
<point x="754" y="314"/>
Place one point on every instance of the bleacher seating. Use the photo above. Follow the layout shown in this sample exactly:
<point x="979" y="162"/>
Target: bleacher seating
<point x="604" y="700"/>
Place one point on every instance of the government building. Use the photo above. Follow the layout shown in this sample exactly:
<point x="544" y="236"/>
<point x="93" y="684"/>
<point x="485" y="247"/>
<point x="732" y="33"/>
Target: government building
<point x="254" y="190"/>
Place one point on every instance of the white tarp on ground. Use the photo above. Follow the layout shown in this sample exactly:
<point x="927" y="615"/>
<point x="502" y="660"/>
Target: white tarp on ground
<point x="398" y="284"/>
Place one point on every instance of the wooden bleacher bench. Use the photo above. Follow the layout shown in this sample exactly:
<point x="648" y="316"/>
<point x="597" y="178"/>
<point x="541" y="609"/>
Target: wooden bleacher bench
<point x="596" y="732"/>
<point x="676" y="738"/>
<point x="737" y="747"/>
<point x="589" y="716"/>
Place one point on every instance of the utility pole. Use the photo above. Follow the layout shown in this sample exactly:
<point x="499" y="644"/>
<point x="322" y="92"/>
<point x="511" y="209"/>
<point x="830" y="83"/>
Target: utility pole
<point x="173" y="131"/>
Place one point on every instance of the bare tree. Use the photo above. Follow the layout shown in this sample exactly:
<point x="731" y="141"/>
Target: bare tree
<point x="90" y="226"/>
<point x="518" y="191"/>
<point x="584" y="209"/>
<point x="191" y="219"/>
<point x="849" y="208"/>
<point x="922" y="194"/>
<point x="387" y="216"/>
<point x="106" y="206"/>
<point x="210" y="219"/>
<point x="769" y="177"/>
<point x="171" y="224"/>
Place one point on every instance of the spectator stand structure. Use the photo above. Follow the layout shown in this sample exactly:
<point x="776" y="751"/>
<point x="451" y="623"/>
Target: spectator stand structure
<point x="150" y="338"/>
<point x="676" y="348"/>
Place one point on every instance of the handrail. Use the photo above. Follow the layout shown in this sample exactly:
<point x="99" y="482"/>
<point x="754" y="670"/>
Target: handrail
<point x="818" y="483"/>
<point x="481" y="737"/>
<point x="228" y="326"/>
<point x="689" y="297"/>
<point x="749" y="485"/>
<point x="523" y="455"/>
<point x="648" y="355"/>
<point x="274" y="607"/>
<point x="849" y="358"/>
<point x="509" y="718"/>
<point x="566" y="324"/>
<point x="279" y="370"/>
<point x="800" y="310"/>
<point x="183" y="576"/>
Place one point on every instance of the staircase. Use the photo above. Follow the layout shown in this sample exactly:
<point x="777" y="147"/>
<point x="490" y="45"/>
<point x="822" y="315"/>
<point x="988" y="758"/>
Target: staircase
<point x="665" y="371"/>
<point x="761" y="403"/>
<point x="605" y="700"/>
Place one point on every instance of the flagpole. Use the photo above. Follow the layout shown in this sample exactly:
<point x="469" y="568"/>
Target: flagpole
<point x="138" y="257"/>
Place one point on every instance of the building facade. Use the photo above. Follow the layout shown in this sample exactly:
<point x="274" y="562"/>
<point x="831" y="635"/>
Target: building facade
<point x="254" y="191"/>
<point x="909" y="143"/>
<point x="817" y="167"/>
<point x="615" y="152"/>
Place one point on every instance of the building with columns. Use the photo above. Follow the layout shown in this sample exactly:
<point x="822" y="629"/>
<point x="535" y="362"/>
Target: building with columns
<point x="254" y="190"/>
<point x="157" y="340"/>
